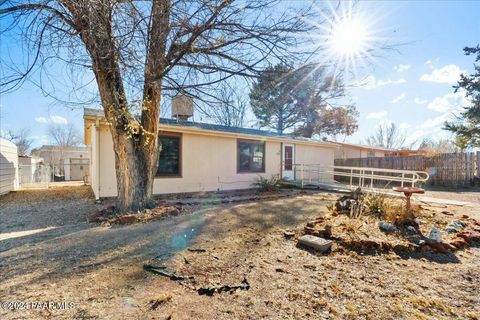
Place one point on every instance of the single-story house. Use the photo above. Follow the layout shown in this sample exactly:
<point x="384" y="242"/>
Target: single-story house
<point x="71" y="163"/>
<point x="199" y="157"/>
<point x="348" y="151"/>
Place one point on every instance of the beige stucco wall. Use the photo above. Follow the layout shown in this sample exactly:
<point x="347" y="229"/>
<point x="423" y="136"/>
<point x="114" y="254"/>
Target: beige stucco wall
<point x="348" y="152"/>
<point x="320" y="160"/>
<point x="209" y="163"/>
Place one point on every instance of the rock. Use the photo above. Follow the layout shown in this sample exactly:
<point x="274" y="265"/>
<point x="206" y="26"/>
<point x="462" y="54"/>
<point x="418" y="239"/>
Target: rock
<point x="387" y="227"/>
<point x="127" y="219"/>
<point x="438" y="247"/>
<point x="449" y="247"/>
<point x="435" y="235"/>
<point x="174" y="212"/>
<point x="455" y="226"/>
<point x="326" y="232"/>
<point x="469" y="235"/>
<point x="459" y="243"/>
<point x="288" y="234"/>
<point x="96" y="217"/>
<point x="447" y="213"/>
<point x="316" y="243"/>
<point x="413" y="235"/>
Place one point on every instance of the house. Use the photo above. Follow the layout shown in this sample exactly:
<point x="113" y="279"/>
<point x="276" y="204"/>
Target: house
<point x="67" y="163"/>
<point x="199" y="157"/>
<point x="348" y="151"/>
<point x="8" y="166"/>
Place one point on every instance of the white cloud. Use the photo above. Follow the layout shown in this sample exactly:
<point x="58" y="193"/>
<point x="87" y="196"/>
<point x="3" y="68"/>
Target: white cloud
<point x="58" y="120"/>
<point x="52" y="119"/>
<point x="447" y="74"/>
<point x="371" y="82"/>
<point x="377" y="115"/>
<point x="419" y="101"/>
<point x="434" y="123"/>
<point x="399" y="97"/>
<point x="449" y="102"/>
<point x="41" y="120"/>
<point x="402" y="67"/>
<point x="404" y="125"/>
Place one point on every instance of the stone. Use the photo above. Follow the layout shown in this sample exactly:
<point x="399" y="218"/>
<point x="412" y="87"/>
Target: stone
<point x="438" y="247"/>
<point x="174" y="212"/>
<point x="435" y="235"/>
<point x="314" y="242"/>
<point x="127" y="219"/>
<point x="459" y="243"/>
<point x="387" y="227"/>
<point x="469" y="235"/>
<point x="288" y="234"/>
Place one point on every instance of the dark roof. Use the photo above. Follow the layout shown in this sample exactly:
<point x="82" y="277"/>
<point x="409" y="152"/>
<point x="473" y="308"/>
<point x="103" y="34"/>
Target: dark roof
<point x="217" y="127"/>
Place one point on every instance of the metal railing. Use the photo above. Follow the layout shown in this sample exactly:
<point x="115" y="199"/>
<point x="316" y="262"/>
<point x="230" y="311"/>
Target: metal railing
<point x="356" y="176"/>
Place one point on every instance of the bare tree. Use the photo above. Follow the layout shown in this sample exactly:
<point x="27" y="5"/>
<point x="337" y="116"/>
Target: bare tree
<point x="441" y="146"/>
<point x="387" y="136"/>
<point x="21" y="138"/>
<point x="230" y="110"/>
<point x="140" y="51"/>
<point x="64" y="136"/>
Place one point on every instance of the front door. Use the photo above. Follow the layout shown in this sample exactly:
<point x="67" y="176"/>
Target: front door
<point x="288" y="172"/>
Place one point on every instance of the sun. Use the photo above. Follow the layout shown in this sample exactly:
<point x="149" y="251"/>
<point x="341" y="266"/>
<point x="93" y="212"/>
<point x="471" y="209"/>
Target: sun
<point x="349" y="37"/>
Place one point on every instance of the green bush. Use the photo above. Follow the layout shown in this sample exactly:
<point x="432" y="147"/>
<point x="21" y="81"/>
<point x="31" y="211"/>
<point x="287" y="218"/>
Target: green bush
<point x="268" y="185"/>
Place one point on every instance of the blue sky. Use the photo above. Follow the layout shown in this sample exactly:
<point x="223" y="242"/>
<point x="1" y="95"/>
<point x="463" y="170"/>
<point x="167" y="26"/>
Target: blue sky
<point x="412" y="87"/>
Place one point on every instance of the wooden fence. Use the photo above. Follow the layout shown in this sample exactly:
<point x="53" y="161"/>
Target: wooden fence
<point x="447" y="169"/>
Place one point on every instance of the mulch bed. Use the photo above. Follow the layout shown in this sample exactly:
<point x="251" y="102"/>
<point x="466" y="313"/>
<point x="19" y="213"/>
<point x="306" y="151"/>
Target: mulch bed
<point x="111" y="215"/>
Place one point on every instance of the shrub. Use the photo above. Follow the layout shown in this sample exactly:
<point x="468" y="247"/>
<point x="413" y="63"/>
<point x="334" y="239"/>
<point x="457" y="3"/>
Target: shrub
<point x="267" y="185"/>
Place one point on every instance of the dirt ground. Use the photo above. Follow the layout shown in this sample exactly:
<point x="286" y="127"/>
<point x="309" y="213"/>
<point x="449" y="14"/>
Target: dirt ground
<point x="97" y="270"/>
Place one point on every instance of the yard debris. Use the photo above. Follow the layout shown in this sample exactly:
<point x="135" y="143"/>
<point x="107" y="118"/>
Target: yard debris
<point x="210" y="291"/>
<point x="154" y="304"/>
<point x="314" y="242"/>
<point x="166" y="273"/>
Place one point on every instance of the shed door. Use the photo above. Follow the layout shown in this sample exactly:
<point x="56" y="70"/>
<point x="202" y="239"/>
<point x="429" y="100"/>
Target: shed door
<point x="288" y="172"/>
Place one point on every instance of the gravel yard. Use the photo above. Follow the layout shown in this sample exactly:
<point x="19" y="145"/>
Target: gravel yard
<point x="98" y="269"/>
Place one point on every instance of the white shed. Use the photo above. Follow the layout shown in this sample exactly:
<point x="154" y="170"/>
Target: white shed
<point x="8" y="166"/>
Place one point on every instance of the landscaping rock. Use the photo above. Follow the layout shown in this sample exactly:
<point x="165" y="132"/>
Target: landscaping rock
<point x="435" y="236"/>
<point x="455" y="226"/>
<point x="127" y="219"/>
<point x="469" y="235"/>
<point x="316" y="243"/>
<point x="387" y="227"/>
<point x="459" y="243"/>
<point x="288" y="234"/>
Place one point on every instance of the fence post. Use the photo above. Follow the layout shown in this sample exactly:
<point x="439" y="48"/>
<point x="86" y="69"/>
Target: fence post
<point x="477" y="173"/>
<point x="301" y="174"/>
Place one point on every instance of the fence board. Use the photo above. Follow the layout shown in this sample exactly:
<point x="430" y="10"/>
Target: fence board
<point x="447" y="169"/>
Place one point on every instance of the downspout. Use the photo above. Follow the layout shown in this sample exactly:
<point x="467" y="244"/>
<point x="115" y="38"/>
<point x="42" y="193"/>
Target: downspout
<point x="97" y="147"/>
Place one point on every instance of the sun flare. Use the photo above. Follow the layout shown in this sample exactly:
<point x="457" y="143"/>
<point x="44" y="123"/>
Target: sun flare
<point x="349" y="37"/>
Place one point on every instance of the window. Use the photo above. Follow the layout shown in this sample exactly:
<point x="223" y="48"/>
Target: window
<point x="251" y="156"/>
<point x="370" y="154"/>
<point x="169" y="159"/>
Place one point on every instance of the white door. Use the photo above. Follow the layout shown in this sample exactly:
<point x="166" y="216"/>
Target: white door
<point x="288" y="156"/>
